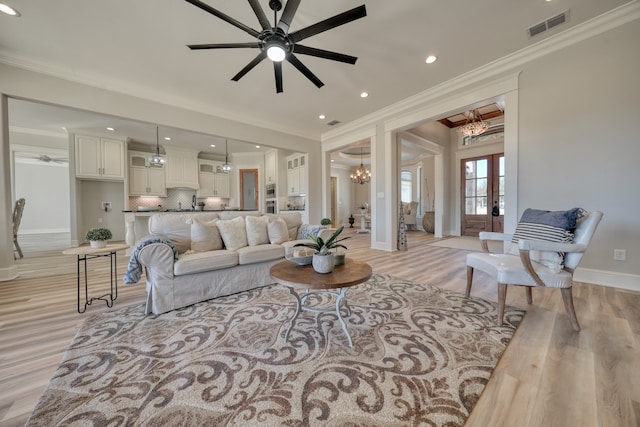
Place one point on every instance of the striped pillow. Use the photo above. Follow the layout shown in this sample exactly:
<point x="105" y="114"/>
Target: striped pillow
<point x="548" y="226"/>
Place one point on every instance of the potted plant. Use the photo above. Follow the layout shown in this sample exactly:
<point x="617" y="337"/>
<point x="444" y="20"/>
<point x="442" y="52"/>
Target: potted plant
<point x="323" y="258"/>
<point x="326" y="221"/>
<point x="98" y="237"/>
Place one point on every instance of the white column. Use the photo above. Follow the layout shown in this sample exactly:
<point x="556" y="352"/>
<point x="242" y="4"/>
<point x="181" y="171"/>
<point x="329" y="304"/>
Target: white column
<point x="8" y="268"/>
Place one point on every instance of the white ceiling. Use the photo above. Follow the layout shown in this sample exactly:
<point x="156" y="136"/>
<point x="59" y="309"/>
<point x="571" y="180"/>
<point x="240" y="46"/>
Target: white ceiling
<point x="139" y="48"/>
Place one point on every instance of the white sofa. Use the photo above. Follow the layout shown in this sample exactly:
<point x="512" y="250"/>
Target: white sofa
<point x="201" y="273"/>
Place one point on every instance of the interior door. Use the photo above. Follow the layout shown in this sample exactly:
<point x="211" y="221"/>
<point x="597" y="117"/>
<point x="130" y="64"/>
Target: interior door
<point x="482" y="194"/>
<point x="249" y="189"/>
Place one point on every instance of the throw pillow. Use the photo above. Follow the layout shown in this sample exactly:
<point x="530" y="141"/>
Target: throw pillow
<point x="205" y="236"/>
<point x="256" y="230"/>
<point x="233" y="233"/>
<point x="549" y="226"/>
<point x="307" y="229"/>
<point x="277" y="231"/>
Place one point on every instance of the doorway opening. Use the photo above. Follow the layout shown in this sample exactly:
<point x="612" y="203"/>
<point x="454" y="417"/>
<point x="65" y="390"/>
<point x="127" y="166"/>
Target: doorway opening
<point x="248" y="189"/>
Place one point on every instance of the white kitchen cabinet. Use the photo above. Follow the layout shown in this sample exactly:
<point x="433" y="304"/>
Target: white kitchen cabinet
<point x="212" y="180"/>
<point x="296" y="174"/>
<point x="271" y="167"/>
<point x="99" y="158"/>
<point x="181" y="168"/>
<point x="144" y="179"/>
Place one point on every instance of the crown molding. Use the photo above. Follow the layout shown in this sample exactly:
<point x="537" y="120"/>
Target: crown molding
<point x="609" y="20"/>
<point x="125" y="88"/>
<point x="28" y="131"/>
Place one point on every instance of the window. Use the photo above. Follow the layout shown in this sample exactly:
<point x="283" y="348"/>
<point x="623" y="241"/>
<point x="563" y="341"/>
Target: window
<point x="405" y="186"/>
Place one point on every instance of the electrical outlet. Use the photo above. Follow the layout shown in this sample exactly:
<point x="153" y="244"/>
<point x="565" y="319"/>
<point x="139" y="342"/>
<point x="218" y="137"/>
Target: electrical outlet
<point x="619" y="255"/>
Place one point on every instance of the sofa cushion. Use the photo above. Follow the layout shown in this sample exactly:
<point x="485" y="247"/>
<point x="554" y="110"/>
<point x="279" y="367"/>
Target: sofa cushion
<point x="234" y="214"/>
<point x="205" y="236"/>
<point x="293" y="220"/>
<point x="260" y="253"/>
<point x="233" y="233"/>
<point x="174" y="227"/>
<point x="306" y="230"/>
<point x="205" y="261"/>
<point x="277" y="230"/>
<point x="256" y="230"/>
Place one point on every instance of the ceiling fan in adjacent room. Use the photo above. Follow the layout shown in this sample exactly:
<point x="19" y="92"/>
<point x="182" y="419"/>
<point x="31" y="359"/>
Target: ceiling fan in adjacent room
<point x="44" y="158"/>
<point x="276" y="43"/>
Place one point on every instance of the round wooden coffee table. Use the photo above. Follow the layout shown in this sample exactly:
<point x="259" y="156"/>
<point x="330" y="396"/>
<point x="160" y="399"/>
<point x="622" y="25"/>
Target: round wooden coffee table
<point x="336" y="283"/>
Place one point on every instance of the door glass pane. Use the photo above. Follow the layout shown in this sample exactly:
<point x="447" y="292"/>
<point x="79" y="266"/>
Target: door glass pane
<point x="470" y="170"/>
<point x="481" y="187"/>
<point x="469" y="206"/>
<point x="470" y="188"/>
<point x="482" y="168"/>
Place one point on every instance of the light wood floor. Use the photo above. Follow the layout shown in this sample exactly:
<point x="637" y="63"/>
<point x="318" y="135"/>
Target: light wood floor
<point x="548" y="376"/>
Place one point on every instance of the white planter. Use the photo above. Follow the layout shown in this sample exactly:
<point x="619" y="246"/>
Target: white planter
<point x="323" y="263"/>
<point x="98" y="244"/>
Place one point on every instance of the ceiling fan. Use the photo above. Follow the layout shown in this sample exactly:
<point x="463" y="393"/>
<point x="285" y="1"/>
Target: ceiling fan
<point x="43" y="158"/>
<point x="276" y="43"/>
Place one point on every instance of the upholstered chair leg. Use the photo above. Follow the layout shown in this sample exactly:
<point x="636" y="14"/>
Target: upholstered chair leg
<point x="528" y="293"/>
<point x="502" y="297"/>
<point x="469" y="280"/>
<point x="567" y="298"/>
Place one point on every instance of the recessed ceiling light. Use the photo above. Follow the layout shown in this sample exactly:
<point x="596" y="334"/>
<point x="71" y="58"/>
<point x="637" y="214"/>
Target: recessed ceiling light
<point x="431" y="59"/>
<point x="213" y="146"/>
<point x="257" y="146"/>
<point x="5" y="8"/>
<point x="167" y="138"/>
<point x="111" y="129"/>
<point x="332" y="160"/>
<point x="364" y="95"/>
<point x="322" y="117"/>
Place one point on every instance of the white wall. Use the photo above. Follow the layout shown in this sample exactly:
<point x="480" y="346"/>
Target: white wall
<point x="345" y="196"/>
<point x="91" y="196"/>
<point x="45" y="188"/>
<point x="579" y="112"/>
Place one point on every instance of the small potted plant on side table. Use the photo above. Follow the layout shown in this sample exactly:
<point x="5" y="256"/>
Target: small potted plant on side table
<point x="98" y="237"/>
<point x="323" y="258"/>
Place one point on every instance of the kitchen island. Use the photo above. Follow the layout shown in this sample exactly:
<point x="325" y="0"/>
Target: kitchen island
<point x="137" y="222"/>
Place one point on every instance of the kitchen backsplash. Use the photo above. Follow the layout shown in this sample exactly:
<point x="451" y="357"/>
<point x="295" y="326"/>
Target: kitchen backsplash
<point x="175" y="196"/>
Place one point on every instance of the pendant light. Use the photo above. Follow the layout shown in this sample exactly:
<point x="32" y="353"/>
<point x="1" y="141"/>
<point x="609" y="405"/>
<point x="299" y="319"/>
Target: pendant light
<point x="474" y="125"/>
<point x="226" y="167"/>
<point x="157" y="160"/>
<point x="362" y="175"/>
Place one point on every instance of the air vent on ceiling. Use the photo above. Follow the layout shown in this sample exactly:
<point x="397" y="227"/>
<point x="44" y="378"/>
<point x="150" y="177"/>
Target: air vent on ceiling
<point x="554" y="21"/>
<point x="333" y="122"/>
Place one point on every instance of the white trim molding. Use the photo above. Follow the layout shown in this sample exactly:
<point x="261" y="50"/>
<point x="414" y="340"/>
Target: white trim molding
<point x="609" y="279"/>
<point x="8" y="273"/>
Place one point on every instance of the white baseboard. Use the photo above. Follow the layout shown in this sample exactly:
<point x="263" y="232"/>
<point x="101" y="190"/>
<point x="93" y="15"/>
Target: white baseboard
<point x="43" y="231"/>
<point x="608" y="278"/>
<point x="8" y="273"/>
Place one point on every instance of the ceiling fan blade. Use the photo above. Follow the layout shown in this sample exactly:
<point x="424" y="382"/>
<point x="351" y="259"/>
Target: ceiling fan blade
<point x="249" y="66"/>
<point x="326" y="54"/>
<point x="262" y="18"/>
<point x="327" y="24"/>
<point x="304" y="70"/>
<point x="226" y="18"/>
<point x="287" y="15"/>
<point x="277" y="68"/>
<point x="222" y="45"/>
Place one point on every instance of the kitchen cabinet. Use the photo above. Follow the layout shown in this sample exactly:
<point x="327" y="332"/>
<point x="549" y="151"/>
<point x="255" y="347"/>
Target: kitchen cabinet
<point x="212" y="180"/>
<point x="181" y="168"/>
<point x="99" y="158"/>
<point x="296" y="174"/>
<point x="144" y="179"/>
<point x="271" y="167"/>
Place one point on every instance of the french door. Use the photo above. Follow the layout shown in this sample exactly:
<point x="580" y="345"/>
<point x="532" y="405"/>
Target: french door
<point x="482" y="194"/>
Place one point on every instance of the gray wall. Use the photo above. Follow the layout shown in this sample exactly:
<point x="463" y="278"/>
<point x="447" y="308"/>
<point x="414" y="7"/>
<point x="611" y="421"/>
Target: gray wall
<point x="578" y="139"/>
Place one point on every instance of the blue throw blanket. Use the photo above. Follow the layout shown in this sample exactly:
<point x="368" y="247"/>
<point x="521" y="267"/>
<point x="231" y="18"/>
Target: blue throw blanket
<point x="134" y="269"/>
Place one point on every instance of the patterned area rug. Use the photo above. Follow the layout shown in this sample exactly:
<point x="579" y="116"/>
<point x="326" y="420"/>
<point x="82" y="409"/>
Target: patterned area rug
<point x="420" y="356"/>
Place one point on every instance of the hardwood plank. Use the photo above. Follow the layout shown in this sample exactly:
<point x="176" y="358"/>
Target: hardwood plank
<point x="549" y="375"/>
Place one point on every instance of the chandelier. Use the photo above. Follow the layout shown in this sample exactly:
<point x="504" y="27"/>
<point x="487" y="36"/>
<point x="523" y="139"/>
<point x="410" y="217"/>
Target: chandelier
<point x="157" y="160"/>
<point x="474" y="125"/>
<point x="226" y="167"/>
<point x="362" y="174"/>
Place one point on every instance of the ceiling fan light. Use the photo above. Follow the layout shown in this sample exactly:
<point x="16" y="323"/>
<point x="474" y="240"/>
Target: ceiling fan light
<point x="276" y="53"/>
